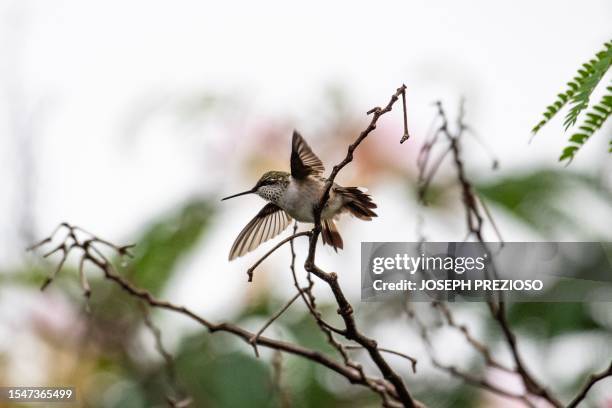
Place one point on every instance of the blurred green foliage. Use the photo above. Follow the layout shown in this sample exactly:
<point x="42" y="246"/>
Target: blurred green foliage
<point x="548" y="320"/>
<point x="166" y="241"/>
<point x="537" y="198"/>
<point x="460" y="396"/>
<point x="221" y="378"/>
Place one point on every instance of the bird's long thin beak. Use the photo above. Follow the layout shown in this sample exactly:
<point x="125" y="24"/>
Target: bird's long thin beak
<point x="251" y="191"/>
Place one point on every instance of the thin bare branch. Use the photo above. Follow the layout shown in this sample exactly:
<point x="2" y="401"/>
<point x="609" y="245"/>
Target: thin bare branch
<point x="270" y="252"/>
<point x="483" y="383"/>
<point x="277" y="380"/>
<point x="406" y="136"/>
<point x="253" y="340"/>
<point x="180" y="398"/>
<point x="469" y="337"/>
<point x="65" y="251"/>
<point x="490" y="218"/>
<point x="83" y="278"/>
<point x="591" y="381"/>
<point x="413" y="361"/>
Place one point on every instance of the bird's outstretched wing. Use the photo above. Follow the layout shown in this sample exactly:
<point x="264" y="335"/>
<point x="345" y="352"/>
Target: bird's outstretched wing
<point x="268" y="223"/>
<point x="303" y="160"/>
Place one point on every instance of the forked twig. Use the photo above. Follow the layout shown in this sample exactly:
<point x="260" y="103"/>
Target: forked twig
<point x="253" y="340"/>
<point x="271" y="251"/>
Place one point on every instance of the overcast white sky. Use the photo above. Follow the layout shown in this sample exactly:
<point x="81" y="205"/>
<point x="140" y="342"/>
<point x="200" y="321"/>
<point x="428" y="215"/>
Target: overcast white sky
<point x="83" y="67"/>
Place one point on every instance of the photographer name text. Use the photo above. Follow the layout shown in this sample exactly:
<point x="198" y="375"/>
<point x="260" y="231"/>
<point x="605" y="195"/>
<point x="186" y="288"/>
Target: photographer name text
<point x="460" y="285"/>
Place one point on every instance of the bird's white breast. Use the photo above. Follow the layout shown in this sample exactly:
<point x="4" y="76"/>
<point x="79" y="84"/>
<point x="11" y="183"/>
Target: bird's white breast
<point x="300" y="197"/>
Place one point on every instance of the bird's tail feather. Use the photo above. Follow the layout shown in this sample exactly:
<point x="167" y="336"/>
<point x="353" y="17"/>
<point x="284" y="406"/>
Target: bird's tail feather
<point x="330" y="235"/>
<point x="358" y="203"/>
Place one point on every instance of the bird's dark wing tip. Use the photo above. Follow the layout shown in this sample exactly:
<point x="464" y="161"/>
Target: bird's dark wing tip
<point x="303" y="160"/>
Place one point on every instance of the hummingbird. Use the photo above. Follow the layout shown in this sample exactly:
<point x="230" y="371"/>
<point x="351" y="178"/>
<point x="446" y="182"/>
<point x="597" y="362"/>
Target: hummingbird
<point x="294" y="196"/>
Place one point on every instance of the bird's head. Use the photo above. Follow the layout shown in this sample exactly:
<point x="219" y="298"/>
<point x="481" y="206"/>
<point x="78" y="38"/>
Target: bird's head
<point x="270" y="180"/>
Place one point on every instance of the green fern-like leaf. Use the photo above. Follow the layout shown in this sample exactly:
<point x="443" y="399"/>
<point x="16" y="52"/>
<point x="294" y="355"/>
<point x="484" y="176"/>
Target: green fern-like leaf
<point x="592" y="73"/>
<point x="579" y="89"/>
<point x="596" y="117"/>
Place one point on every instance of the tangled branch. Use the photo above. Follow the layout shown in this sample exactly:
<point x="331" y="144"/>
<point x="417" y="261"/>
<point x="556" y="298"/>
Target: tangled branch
<point x="476" y="213"/>
<point x="86" y="244"/>
<point x="345" y="309"/>
<point x="391" y="387"/>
